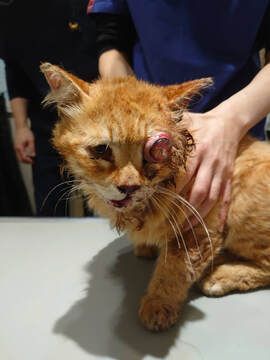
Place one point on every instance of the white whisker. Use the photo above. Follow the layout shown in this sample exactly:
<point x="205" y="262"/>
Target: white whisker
<point x="54" y="188"/>
<point x="187" y="219"/>
<point x="196" y="214"/>
<point x="165" y="215"/>
<point x="166" y="250"/>
<point x="67" y="192"/>
<point x="177" y="238"/>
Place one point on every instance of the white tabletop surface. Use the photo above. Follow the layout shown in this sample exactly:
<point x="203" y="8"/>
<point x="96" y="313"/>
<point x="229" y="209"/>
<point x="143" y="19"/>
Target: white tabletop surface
<point x="70" y="291"/>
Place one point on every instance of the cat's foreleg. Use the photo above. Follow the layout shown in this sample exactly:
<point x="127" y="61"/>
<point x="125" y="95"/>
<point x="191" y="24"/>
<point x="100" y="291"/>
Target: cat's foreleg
<point x="168" y="289"/>
<point x="176" y="271"/>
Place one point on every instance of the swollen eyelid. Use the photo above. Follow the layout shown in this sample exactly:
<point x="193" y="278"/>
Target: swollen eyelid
<point x="157" y="148"/>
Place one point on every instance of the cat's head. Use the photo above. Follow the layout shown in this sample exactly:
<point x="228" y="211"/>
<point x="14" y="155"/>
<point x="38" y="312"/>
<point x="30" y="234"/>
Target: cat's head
<point x="122" y="138"/>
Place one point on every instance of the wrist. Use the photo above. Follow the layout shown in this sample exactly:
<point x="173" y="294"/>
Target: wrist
<point x="21" y="126"/>
<point x="238" y="120"/>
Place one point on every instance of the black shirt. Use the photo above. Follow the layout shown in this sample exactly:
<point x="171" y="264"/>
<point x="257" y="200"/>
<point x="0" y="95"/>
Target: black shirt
<point x="34" y="32"/>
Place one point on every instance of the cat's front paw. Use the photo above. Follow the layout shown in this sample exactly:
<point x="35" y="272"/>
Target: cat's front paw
<point x="157" y="313"/>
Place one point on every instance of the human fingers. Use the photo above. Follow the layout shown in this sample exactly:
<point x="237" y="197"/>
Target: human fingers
<point x="29" y="150"/>
<point x="198" y="194"/>
<point x="30" y="147"/>
<point x="201" y="185"/>
<point x="28" y="159"/>
<point x="219" y="189"/>
<point x="19" y="152"/>
<point x="191" y="168"/>
<point x="22" y="155"/>
<point x="212" y="197"/>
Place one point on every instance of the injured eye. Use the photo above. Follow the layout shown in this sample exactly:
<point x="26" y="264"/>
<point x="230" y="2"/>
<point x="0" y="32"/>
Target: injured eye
<point x="102" y="151"/>
<point x="158" y="148"/>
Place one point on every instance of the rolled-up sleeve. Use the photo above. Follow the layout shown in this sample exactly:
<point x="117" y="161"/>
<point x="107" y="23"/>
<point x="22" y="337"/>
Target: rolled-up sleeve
<point x="107" y="6"/>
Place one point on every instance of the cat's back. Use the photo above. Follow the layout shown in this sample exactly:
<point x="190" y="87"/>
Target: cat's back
<point x="253" y="156"/>
<point x="250" y="198"/>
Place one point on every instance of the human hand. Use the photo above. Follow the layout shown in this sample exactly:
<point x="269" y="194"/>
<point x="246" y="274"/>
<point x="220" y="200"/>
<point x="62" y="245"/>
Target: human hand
<point x="210" y="167"/>
<point x="24" y="144"/>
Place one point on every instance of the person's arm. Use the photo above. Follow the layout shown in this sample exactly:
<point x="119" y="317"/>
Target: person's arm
<point x="112" y="63"/>
<point x="24" y="142"/>
<point x="217" y="134"/>
<point x="115" y="36"/>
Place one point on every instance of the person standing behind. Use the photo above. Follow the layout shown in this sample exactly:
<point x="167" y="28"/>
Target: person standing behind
<point x="33" y="34"/>
<point x="177" y="41"/>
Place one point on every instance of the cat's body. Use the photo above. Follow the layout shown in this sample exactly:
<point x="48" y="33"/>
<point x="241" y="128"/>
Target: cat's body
<point x="123" y="141"/>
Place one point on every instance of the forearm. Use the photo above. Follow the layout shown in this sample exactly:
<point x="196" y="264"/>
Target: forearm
<point x="113" y="63"/>
<point x="250" y="105"/>
<point x="19" y="110"/>
<point x="115" y="36"/>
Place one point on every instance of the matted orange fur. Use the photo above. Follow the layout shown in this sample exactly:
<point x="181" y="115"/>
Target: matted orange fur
<point x="124" y="142"/>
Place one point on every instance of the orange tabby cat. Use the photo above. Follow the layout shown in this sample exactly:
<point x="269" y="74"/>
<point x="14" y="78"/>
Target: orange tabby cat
<point x="125" y="144"/>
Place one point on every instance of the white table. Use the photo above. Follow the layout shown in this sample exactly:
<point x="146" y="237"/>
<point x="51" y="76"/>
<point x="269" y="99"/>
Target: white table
<point x="70" y="289"/>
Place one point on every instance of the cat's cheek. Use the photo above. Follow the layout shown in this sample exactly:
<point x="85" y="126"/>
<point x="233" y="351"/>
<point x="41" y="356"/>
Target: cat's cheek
<point x="156" y="173"/>
<point x="150" y="172"/>
<point x="96" y="170"/>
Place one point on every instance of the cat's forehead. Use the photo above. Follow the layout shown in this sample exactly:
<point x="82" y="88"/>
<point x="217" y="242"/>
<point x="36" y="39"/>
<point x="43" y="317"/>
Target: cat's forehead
<point x="118" y="133"/>
<point x="125" y="96"/>
<point x="118" y="113"/>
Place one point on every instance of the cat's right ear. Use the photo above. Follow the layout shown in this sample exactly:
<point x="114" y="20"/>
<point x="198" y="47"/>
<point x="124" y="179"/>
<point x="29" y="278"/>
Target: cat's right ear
<point x="179" y="96"/>
<point x="66" y="89"/>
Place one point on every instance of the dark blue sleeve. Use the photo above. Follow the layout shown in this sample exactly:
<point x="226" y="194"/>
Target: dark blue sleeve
<point x="107" y="6"/>
<point x="263" y="36"/>
<point x="267" y="29"/>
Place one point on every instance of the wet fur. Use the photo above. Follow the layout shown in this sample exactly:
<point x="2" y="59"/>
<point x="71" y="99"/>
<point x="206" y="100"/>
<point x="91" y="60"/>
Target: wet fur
<point x="124" y="113"/>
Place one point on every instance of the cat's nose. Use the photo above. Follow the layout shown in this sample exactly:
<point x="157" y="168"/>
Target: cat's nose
<point x="128" y="189"/>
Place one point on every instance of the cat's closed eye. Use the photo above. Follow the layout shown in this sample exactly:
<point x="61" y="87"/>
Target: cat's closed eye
<point x="102" y="151"/>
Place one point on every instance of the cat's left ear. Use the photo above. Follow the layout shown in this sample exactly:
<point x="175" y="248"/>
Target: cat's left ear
<point x="66" y="89"/>
<point x="179" y="96"/>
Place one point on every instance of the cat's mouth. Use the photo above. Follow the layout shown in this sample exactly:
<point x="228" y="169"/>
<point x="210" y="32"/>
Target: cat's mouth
<point x="121" y="203"/>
